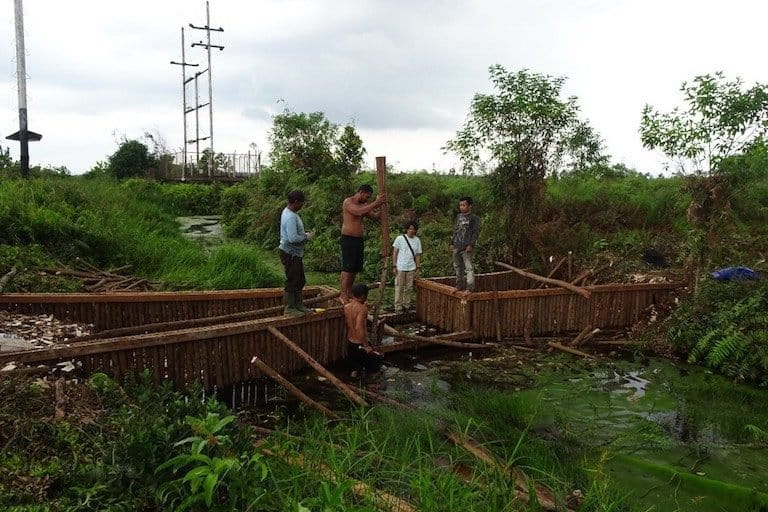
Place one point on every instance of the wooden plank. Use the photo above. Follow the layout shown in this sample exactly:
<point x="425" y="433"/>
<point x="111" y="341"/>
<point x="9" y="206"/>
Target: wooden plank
<point x="317" y="366"/>
<point x="265" y="368"/>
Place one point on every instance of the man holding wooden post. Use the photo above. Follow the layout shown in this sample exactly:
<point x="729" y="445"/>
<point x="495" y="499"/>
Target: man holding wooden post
<point x="354" y="210"/>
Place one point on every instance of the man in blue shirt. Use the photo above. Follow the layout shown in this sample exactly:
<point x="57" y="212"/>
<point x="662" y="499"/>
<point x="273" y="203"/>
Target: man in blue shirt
<point x="292" y="240"/>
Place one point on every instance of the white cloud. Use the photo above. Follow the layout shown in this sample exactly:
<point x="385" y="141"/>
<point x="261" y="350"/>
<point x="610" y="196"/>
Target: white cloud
<point x="404" y="72"/>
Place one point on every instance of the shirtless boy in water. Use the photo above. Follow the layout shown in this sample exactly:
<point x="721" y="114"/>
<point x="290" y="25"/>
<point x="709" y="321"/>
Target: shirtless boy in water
<point x="354" y="209"/>
<point x="360" y="352"/>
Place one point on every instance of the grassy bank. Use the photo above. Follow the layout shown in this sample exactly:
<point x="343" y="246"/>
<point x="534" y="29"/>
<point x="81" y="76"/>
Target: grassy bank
<point x="147" y="448"/>
<point x="44" y="222"/>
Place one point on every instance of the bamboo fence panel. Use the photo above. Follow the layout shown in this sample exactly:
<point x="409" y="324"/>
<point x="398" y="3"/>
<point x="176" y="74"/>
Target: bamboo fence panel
<point x="551" y="310"/>
<point x="124" y="309"/>
<point x="217" y="357"/>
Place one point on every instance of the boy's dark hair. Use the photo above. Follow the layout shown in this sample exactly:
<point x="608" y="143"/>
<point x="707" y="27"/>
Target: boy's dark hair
<point x="467" y="199"/>
<point x="296" y="196"/>
<point x="409" y="224"/>
<point x="365" y="188"/>
<point x="359" y="291"/>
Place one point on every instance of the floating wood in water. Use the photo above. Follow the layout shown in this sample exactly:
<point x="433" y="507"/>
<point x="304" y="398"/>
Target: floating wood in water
<point x="264" y="367"/>
<point x="570" y="350"/>
<point x="415" y="341"/>
<point x="317" y="366"/>
<point x="556" y="282"/>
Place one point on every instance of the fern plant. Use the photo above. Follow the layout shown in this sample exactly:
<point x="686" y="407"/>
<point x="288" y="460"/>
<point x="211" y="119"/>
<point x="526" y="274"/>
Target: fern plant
<point x="725" y="327"/>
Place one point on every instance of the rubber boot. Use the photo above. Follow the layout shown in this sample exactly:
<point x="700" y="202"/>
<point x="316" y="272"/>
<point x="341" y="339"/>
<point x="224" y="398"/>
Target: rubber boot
<point x="299" y="303"/>
<point x="290" y="305"/>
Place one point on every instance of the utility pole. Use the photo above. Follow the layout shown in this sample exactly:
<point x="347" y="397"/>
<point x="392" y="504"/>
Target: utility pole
<point x="184" y="65"/>
<point x="207" y="45"/>
<point x="23" y="135"/>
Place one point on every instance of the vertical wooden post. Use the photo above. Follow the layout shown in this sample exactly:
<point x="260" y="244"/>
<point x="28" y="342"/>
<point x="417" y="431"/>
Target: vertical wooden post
<point x="381" y="181"/>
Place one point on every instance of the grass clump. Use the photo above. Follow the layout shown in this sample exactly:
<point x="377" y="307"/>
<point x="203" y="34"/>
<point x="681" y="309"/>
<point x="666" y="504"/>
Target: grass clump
<point x="110" y="224"/>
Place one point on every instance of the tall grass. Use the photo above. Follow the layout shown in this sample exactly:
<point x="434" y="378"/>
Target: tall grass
<point x="112" y="224"/>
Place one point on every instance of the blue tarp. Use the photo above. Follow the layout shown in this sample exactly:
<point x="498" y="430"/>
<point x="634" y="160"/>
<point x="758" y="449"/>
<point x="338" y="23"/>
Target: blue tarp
<point x="735" y="274"/>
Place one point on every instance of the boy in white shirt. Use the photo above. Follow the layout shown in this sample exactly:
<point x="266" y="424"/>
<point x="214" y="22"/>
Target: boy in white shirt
<point x="406" y="263"/>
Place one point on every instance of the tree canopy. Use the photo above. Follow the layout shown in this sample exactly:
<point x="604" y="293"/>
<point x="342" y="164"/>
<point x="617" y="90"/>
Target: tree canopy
<point x="721" y="118"/>
<point x="520" y="133"/>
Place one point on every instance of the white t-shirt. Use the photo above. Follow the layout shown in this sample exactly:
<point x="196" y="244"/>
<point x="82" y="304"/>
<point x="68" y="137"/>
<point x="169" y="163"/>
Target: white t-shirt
<point x="405" y="261"/>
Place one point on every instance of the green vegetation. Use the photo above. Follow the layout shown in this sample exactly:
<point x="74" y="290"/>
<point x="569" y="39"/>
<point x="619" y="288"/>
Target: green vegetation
<point x="725" y="327"/>
<point x="111" y="224"/>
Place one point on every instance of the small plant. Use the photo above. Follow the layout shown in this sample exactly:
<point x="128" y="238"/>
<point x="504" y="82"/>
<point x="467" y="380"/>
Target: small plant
<point x="216" y="474"/>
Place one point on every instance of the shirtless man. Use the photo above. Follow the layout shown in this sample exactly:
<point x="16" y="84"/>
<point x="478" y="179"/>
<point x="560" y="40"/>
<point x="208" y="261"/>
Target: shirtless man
<point x="352" y="255"/>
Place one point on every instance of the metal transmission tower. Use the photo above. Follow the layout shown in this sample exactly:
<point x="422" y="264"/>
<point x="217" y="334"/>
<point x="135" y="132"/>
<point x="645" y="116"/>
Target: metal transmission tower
<point x="207" y="45"/>
<point x="24" y="136"/>
<point x="186" y="111"/>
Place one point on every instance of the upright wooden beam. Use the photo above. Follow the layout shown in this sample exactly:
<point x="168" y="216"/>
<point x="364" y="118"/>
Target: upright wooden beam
<point x="381" y="181"/>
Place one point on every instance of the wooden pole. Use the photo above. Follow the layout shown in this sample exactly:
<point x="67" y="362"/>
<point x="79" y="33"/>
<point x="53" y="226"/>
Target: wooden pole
<point x="433" y="340"/>
<point x="383" y="500"/>
<point x="556" y="282"/>
<point x="317" y="366"/>
<point x="381" y="181"/>
<point x="274" y="375"/>
<point x="570" y="350"/>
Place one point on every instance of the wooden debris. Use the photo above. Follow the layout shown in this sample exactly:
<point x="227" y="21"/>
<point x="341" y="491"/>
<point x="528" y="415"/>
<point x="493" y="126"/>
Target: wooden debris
<point x="582" y="276"/>
<point x="95" y="280"/>
<point x="544" y="496"/>
<point x="383" y="500"/>
<point x="584" y="336"/>
<point x="318" y="367"/>
<point x="274" y="375"/>
<point x="556" y="282"/>
<point x="554" y="270"/>
<point x="570" y="350"/>
<point x="423" y="340"/>
<point x="39" y="330"/>
<point x="7" y="278"/>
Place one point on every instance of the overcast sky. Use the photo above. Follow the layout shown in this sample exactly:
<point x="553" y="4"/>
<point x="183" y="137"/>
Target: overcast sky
<point x="404" y="72"/>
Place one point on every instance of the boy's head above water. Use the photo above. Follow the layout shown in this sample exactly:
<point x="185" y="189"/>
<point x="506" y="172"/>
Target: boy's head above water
<point x="360" y="292"/>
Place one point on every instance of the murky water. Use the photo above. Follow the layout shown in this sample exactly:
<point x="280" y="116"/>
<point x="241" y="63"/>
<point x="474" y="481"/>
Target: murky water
<point x="205" y="228"/>
<point x="672" y="435"/>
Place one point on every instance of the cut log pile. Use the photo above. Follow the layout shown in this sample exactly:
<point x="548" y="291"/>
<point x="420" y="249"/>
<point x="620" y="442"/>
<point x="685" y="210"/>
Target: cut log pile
<point x="97" y="280"/>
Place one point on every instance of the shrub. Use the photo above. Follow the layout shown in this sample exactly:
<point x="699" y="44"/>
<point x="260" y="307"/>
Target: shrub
<point x="131" y="159"/>
<point x="725" y="326"/>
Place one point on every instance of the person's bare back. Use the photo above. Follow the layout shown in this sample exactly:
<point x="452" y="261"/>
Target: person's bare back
<point x="356" y="317"/>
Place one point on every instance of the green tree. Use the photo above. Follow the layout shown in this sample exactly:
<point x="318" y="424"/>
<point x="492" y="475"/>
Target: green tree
<point x="131" y="159"/>
<point x="520" y="134"/>
<point x="721" y="118"/>
<point x="6" y="162"/>
<point x="304" y="143"/>
<point x="349" y="154"/>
